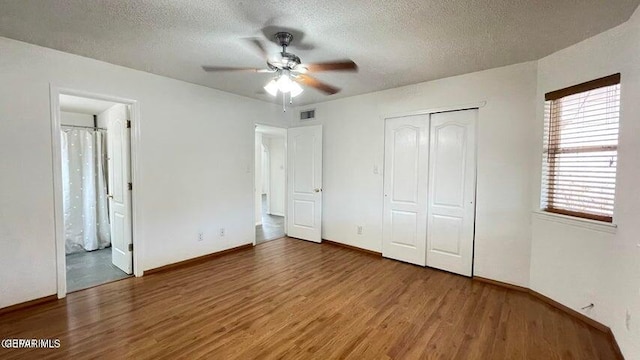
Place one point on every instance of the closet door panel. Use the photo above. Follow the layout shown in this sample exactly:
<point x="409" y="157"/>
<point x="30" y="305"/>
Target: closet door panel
<point x="405" y="184"/>
<point x="451" y="191"/>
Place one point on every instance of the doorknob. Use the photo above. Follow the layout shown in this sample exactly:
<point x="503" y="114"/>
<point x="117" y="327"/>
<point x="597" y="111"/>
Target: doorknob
<point x="317" y="190"/>
<point x="110" y="196"/>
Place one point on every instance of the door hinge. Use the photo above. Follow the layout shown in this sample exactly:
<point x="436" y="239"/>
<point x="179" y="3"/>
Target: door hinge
<point x="130" y="247"/>
<point x="128" y="124"/>
<point x="130" y="186"/>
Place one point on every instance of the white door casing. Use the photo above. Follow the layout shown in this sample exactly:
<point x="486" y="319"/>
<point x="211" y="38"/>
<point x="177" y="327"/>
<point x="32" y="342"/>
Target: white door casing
<point x="405" y="187"/>
<point x="304" y="184"/>
<point x="266" y="175"/>
<point x="451" y="191"/>
<point x="118" y="139"/>
<point x="257" y="188"/>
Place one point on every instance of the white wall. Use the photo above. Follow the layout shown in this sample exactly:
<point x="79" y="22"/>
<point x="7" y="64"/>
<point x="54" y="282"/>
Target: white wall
<point x="578" y="265"/>
<point x="116" y="110"/>
<point x="187" y="183"/>
<point x="353" y="162"/>
<point x="277" y="180"/>
<point x="103" y="118"/>
<point x="71" y="118"/>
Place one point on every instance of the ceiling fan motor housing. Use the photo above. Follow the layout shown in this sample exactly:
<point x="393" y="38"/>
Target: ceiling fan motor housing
<point x="284" y="38"/>
<point x="289" y="60"/>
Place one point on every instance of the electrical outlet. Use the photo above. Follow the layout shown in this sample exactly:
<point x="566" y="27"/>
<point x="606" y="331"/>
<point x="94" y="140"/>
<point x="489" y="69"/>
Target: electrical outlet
<point x="627" y="320"/>
<point x="222" y="232"/>
<point x="200" y="236"/>
<point x="359" y="230"/>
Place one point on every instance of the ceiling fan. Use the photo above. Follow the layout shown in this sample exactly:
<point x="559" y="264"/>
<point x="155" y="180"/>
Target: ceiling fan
<point x="289" y="71"/>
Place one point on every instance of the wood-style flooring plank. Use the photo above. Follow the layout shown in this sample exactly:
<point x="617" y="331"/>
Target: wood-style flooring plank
<point x="291" y="299"/>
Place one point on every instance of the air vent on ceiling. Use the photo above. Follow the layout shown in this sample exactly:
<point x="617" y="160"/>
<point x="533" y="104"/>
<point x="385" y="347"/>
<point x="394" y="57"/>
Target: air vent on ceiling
<point x="308" y="114"/>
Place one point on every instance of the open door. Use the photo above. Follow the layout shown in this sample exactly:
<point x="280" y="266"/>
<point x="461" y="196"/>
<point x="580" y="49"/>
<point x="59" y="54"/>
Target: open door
<point x="304" y="210"/>
<point x="118" y="150"/>
<point x="405" y="189"/>
<point x="452" y="191"/>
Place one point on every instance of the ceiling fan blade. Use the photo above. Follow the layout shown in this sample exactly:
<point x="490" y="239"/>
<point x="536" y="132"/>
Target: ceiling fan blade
<point x="234" y="69"/>
<point x="344" y="65"/>
<point x="259" y="47"/>
<point x="317" y="84"/>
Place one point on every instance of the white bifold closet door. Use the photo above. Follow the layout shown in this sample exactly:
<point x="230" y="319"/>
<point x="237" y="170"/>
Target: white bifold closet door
<point x="452" y="191"/>
<point x="405" y="189"/>
<point x="429" y="190"/>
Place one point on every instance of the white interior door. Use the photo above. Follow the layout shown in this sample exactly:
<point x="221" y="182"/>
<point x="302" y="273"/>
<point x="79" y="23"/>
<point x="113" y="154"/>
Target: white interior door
<point x="451" y="194"/>
<point x="405" y="188"/>
<point x="304" y="162"/>
<point x="118" y="138"/>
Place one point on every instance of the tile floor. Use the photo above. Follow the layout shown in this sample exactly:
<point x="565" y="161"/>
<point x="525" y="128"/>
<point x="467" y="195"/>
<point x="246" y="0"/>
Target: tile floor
<point x="272" y="226"/>
<point x="91" y="268"/>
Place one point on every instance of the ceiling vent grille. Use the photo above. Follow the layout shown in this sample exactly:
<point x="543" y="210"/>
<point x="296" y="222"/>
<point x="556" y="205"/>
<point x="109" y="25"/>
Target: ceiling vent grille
<point x="308" y="114"/>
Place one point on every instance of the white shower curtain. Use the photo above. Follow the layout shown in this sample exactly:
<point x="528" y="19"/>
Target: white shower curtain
<point x="86" y="218"/>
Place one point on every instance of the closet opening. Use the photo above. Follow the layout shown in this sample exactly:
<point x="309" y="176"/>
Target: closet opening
<point x="95" y="202"/>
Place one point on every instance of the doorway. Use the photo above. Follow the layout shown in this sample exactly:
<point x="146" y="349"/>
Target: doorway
<point x="270" y="182"/>
<point x="429" y="190"/>
<point x="93" y="191"/>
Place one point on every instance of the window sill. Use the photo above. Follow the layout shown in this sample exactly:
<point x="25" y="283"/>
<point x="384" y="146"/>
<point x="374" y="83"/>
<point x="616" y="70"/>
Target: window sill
<point x="574" y="221"/>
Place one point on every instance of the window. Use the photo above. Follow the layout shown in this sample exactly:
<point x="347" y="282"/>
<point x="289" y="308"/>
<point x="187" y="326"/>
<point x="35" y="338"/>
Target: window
<point x="581" y="149"/>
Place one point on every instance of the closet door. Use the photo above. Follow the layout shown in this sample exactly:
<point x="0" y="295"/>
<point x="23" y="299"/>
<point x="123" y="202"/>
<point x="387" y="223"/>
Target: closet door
<point x="451" y="194"/>
<point x="405" y="188"/>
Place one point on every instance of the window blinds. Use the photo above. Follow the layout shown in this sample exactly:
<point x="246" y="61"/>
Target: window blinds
<point x="581" y="149"/>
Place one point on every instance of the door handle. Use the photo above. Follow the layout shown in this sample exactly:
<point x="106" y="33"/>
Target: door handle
<point x="109" y="196"/>
<point x="317" y="190"/>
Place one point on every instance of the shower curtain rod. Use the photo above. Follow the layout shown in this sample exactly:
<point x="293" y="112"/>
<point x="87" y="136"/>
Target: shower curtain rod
<point x="84" y="127"/>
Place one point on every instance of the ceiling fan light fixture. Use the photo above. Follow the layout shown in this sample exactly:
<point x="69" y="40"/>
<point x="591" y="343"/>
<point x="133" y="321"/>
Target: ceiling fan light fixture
<point x="296" y="89"/>
<point x="284" y="83"/>
<point x="272" y="87"/>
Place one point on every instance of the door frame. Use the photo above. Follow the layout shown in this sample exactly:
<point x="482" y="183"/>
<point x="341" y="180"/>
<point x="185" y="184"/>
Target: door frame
<point x="134" y="109"/>
<point x="430" y="111"/>
<point x="266" y="172"/>
<point x="253" y="181"/>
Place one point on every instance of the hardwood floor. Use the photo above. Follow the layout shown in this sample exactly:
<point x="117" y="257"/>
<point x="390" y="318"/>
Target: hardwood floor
<point x="291" y="299"/>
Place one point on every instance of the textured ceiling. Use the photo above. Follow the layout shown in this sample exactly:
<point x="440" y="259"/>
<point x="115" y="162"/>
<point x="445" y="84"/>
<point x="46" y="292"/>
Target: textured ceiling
<point x="394" y="43"/>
